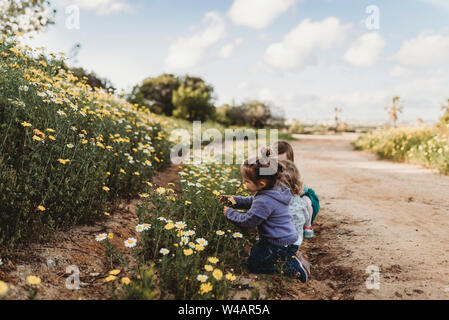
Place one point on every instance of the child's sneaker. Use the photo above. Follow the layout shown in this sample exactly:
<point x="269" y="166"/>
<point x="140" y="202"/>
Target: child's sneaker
<point x="297" y="270"/>
<point x="304" y="262"/>
<point x="308" y="233"/>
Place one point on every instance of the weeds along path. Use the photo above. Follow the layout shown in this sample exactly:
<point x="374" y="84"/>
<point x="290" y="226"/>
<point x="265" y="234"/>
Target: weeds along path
<point x="375" y="213"/>
<point x="77" y="247"/>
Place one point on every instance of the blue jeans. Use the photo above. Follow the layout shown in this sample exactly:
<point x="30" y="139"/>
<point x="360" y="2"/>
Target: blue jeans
<point x="268" y="258"/>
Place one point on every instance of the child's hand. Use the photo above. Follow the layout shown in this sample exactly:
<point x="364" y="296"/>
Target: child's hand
<point x="227" y="200"/>
<point x="225" y="209"/>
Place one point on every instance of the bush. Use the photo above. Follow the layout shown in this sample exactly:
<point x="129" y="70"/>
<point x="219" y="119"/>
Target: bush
<point x="428" y="146"/>
<point x="67" y="152"/>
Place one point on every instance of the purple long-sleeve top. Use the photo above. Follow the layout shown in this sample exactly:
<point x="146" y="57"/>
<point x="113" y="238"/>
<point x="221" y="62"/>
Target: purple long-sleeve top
<point x="268" y="210"/>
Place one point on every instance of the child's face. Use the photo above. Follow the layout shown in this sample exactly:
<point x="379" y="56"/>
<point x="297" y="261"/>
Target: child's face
<point x="251" y="186"/>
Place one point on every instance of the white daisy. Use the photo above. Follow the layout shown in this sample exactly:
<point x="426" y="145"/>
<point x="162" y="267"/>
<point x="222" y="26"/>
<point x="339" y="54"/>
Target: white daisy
<point x="164" y="251"/>
<point x="202" y="242"/>
<point x="237" y="235"/>
<point x="180" y="225"/>
<point x="101" y="237"/>
<point x="190" y="233"/>
<point x="140" y="228"/>
<point x="202" y="278"/>
<point x="130" y="243"/>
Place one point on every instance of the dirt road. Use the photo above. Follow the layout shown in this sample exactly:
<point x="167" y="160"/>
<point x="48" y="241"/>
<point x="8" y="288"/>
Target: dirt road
<point x="377" y="213"/>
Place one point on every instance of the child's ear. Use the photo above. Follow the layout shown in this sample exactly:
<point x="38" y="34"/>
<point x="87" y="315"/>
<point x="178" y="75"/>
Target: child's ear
<point x="262" y="184"/>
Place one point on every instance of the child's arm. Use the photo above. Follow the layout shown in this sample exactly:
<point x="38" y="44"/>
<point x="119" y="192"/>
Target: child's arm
<point x="237" y="201"/>
<point x="243" y="202"/>
<point x="257" y="214"/>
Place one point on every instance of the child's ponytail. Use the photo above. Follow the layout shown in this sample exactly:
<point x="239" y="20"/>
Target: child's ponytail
<point x="291" y="177"/>
<point x="264" y="168"/>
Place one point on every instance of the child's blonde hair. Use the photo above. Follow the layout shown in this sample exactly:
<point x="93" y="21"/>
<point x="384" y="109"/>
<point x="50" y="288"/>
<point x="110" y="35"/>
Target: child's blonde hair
<point x="292" y="178"/>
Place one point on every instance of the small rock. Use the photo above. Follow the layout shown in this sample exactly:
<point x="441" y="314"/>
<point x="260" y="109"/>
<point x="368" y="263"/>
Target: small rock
<point x="96" y="274"/>
<point x="51" y="263"/>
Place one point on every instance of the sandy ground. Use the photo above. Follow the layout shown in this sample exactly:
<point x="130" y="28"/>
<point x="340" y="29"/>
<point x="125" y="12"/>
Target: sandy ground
<point x="392" y="216"/>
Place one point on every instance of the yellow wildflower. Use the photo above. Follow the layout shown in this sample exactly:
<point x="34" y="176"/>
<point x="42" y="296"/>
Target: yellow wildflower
<point x="114" y="272"/>
<point x="110" y="278"/>
<point x="230" y="277"/>
<point x="213" y="260"/>
<point x="217" y="274"/>
<point x="208" y="267"/>
<point x="3" y="288"/>
<point x="169" y="226"/>
<point x="33" y="280"/>
<point x="205" y="288"/>
<point x="26" y="124"/>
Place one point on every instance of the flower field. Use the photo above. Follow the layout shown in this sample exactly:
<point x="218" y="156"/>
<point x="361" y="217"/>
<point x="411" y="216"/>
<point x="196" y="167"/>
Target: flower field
<point x="67" y="153"/>
<point x="186" y="249"/>
<point x="428" y="146"/>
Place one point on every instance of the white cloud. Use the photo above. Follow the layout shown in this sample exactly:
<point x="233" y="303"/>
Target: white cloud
<point x="258" y="14"/>
<point x="300" y="46"/>
<point x="188" y="51"/>
<point x="424" y="51"/>
<point x="399" y="71"/>
<point x="227" y="50"/>
<point x="101" y="7"/>
<point x="365" y="51"/>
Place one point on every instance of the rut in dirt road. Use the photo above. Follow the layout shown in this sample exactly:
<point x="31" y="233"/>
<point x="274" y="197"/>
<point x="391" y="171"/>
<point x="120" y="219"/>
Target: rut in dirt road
<point x="395" y="217"/>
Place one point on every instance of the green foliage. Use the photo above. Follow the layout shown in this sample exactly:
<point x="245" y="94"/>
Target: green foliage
<point x="156" y="93"/>
<point x="187" y="97"/>
<point x="92" y="79"/>
<point x="193" y="101"/>
<point x="67" y="152"/>
<point x="428" y="146"/>
<point x="25" y="16"/>
<point x="255" y="114"/>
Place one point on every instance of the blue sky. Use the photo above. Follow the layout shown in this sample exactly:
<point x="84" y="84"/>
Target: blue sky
<point x="306" y="56"/>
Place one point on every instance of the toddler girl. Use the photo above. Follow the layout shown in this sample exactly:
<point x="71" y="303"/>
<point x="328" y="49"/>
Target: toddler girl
<point x="298" y="207"/>
<point x="284" y="151"/>
<point x="268" y="211"/>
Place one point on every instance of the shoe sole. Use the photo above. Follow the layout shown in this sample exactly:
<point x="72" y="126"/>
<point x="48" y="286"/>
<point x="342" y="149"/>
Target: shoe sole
<point x="305" y="276"/>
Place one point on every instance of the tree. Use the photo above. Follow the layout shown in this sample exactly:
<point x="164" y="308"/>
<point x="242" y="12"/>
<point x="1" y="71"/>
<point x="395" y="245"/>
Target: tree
<point x="193" y="100"/>
<point x="337" y="112"/>
<point x="156" y="93"/>
<point x="25" y="15"/>
<point x="394" y="110"/>
<point x="256" y="113"/>
<point x="221" y="115"/>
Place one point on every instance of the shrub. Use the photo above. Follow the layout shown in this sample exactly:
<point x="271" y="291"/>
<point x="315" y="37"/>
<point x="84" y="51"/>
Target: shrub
<point x="428" y="146"/>
<point x="67" y="152"/>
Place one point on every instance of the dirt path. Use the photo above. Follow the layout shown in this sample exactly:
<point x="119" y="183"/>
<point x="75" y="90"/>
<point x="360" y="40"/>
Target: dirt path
<point x="375" y="213"/>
